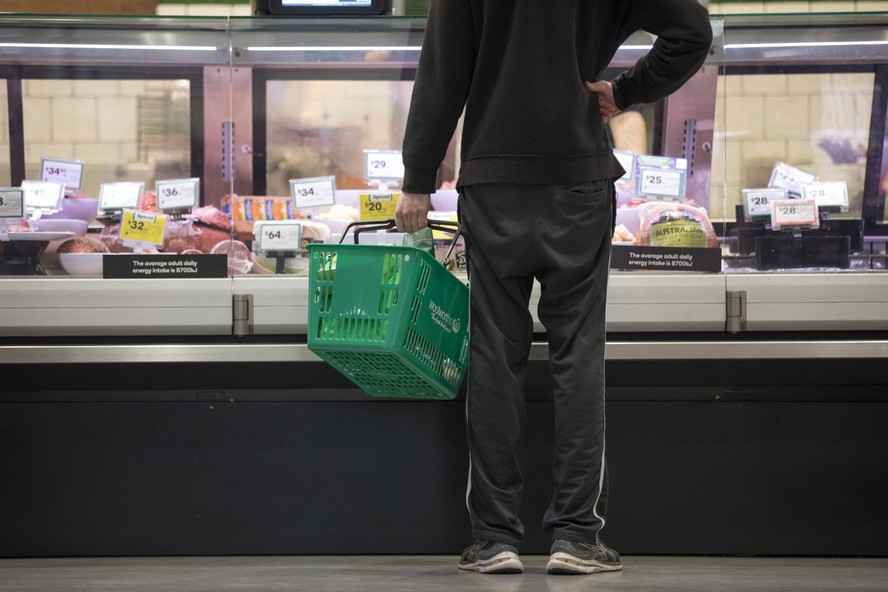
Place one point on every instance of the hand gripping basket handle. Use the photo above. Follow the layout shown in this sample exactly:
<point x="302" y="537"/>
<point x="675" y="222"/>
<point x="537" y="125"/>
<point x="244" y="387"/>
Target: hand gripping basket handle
<point x="453" y="228"/>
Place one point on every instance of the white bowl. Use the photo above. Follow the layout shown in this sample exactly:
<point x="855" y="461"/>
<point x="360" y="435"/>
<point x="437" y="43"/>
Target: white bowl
<point x="81" y="208"/>
<point x="78" y="227"/>
<point x="444" y="200"/>
<point x="82" y="263"/>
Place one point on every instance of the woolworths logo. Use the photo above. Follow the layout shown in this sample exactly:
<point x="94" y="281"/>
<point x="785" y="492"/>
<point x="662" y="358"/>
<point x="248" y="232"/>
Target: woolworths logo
<point x="443" y="319"/>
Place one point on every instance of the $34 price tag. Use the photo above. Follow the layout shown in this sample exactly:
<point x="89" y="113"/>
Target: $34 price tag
<point x="142" y="227"/>
<point x="313" y="193"/>
<point x="378" y="206"/>
<point x="67" y="172"/>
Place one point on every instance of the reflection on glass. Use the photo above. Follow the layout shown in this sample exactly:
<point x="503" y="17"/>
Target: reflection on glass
<point x="320" y="128"/>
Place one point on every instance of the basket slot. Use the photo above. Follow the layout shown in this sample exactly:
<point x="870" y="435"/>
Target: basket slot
<point x="388" y="299"/>
<point x="383" y="374"/>
<point x="391" y="268"/>
<point x="415" y="307"/>
<point x="423" y="281"/>
<point x="425" y="352"/>
<point x="357" y="329"/>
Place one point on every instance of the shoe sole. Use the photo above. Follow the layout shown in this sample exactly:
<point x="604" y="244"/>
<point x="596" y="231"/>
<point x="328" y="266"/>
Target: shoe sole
<point x="562" y="564"/>
<point x="504" y="563"/>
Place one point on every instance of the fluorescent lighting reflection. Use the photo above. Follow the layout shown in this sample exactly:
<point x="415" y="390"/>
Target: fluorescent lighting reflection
<point x="337" y="48"/>
<point x="109" y="46"/>
<point x="801" y="44"/>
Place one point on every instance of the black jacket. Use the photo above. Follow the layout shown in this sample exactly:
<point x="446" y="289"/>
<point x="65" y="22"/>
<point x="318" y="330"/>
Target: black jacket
<point x="518" y="68"/>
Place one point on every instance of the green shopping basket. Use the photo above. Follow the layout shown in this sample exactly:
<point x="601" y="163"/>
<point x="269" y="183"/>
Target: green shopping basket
<point x="392" y="319"/>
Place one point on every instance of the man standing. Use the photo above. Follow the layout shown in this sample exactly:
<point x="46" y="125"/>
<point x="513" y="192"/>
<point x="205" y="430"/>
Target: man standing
<point x="536" y="201"/>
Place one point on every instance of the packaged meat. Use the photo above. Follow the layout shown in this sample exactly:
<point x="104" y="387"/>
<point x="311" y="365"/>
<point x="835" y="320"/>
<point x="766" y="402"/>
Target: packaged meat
<point x="240" y="260"/>
<point x="668" y="224"/>
<point x="82" y="244"/>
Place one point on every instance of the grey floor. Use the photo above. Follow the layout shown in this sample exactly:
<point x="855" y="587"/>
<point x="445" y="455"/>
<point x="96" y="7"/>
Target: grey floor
<point x="435" y="573"/>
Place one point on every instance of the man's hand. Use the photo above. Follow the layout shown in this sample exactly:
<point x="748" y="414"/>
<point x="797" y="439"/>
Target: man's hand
<point x="412" y="211"/>
<point x="606" y="104"/>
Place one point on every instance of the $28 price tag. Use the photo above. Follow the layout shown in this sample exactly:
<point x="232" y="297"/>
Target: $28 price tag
<point x="794" y="212"/>
<point x="142" y="227"/>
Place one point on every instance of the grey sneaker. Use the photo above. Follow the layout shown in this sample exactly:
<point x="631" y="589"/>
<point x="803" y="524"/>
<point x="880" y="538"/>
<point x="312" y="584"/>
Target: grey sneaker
<point x="572" y="558"/>
<point x="491" y="557"/>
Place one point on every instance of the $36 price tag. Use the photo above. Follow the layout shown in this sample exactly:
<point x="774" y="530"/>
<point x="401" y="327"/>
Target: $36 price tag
<point x="142" y="227"/>
<point x="177" y="194"/>
<point x="378" y="206"/>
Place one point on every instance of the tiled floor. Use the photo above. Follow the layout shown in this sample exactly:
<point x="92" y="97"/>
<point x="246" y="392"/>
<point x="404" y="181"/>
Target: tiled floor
<point x="434" y="574"/>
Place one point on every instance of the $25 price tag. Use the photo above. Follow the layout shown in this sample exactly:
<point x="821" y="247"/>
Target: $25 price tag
<point x="142" y="227"/>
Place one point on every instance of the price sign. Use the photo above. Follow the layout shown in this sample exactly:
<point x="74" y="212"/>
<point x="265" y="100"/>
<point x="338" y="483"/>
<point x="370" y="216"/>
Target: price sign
<point x="177" y="194"/>
<point x="794" y="213"/>
<point x="831" y="194"/>
<point x="313" y="193"/>
<point x="378" y="206"/>
<point x="67" y="172"/>
<point x="120" y="196"/>
<point x="142" y="227"/>
<point x="279" y="236"/>
<point x="757" y="202"/>
<point x="627" y="161"/>
<point x="661" y="182"/>
<point x="12" y="203"/>
<point x="43" y="195"/>
<point x="788" y="177"/>
<point x="383" y="165"/>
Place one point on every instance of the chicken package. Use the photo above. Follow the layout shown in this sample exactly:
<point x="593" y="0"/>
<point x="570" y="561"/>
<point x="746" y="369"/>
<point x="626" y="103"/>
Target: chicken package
<point x="668" y="224"/>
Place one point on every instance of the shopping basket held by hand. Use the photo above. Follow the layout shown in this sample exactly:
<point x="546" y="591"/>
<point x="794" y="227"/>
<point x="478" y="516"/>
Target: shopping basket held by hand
<point x="390" y="318"/>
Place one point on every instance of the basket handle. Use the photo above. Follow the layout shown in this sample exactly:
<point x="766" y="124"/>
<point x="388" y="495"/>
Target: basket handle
<point x="443" y="225"/>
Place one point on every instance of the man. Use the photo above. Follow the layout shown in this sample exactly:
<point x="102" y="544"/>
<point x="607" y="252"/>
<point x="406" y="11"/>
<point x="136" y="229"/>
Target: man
<point x="536" y="200"/>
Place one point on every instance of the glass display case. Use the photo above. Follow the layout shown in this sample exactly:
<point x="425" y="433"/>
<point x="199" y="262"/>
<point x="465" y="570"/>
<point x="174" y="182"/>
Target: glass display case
<point x="786" y="118"/>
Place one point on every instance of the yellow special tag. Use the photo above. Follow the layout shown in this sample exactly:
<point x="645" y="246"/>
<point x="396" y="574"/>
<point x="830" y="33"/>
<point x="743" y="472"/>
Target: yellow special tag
<point x="142" y="227"/>
<point x="378" y="206"/>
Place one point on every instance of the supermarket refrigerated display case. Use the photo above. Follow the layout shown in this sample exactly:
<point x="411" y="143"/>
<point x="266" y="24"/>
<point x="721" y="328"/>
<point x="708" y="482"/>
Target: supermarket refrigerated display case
<point x="749" y="365"/>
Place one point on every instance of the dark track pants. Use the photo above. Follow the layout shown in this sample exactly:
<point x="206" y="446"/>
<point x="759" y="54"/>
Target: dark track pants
<point x="559" y="235"/>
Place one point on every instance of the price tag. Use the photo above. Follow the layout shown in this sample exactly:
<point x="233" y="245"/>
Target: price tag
<point x="313" y="193"/>
<point x="67" y="172"/>
<point x="279" y="236"/>
<point x="757" y="202"/>
<point x="829" y="194"/>
<point x="177" y="194"/>
<point x="788" y="177"/>
<point x="794" y="213"/>
<point x="661" y="183"/>
<point x="378" y="206"/>
<point x="12" y="203"/>
<point x="627" y="161"/>
<point x="383" y="165"/>
<point x="120" y="196"/>
<point x="142" y="227"/>
<point x="43" y="195"/>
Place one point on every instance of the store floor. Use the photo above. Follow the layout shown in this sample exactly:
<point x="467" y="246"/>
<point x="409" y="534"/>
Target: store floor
<point x="435" y="574"/>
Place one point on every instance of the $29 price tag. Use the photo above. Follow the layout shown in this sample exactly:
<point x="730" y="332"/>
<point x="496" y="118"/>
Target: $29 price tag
<point x="142" y="227"/>
<point x="383" y="165"/>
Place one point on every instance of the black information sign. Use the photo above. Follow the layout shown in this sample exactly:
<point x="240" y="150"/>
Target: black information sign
<point x="632" y="257"/>
<point x="150" y="265"/>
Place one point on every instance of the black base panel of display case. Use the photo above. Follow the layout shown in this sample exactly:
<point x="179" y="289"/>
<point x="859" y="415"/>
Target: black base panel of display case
<point x="748" y="473"/>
